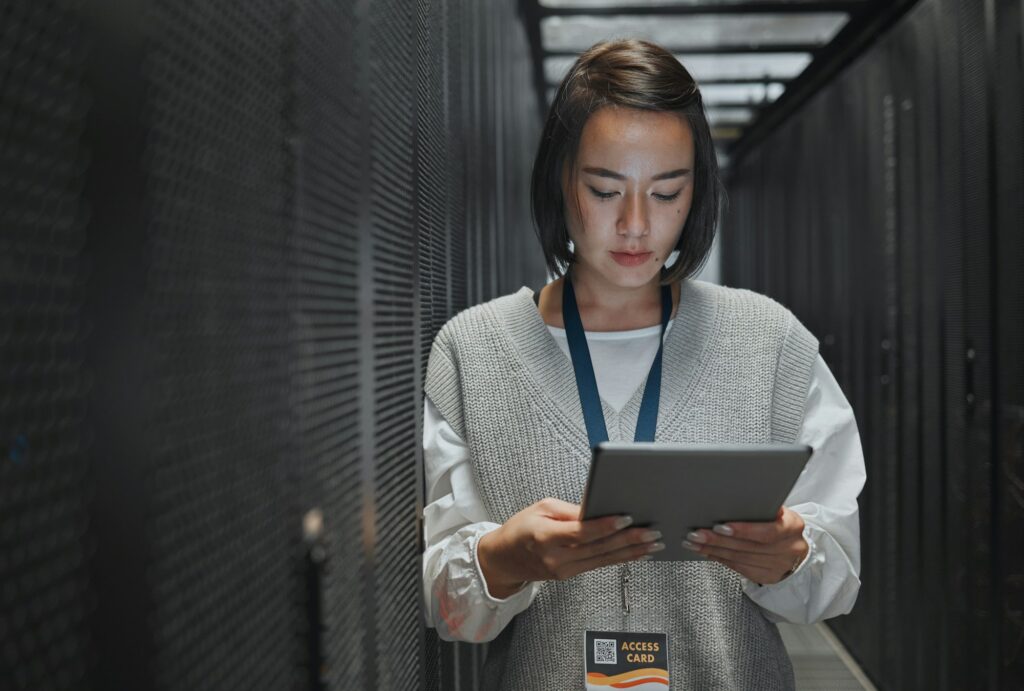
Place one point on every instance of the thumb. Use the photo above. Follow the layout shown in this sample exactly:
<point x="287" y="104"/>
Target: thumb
<point x="560" y="510"/>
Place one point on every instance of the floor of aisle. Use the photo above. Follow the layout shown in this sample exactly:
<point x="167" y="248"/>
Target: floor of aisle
<point x="820" y="661"/>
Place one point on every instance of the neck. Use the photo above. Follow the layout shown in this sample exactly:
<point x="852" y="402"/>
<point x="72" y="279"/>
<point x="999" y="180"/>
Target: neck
<point x="594" y="294"/>
<point x="605" y="307"/>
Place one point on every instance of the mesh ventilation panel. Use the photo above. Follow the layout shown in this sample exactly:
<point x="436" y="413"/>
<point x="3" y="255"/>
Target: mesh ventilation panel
<point x="328" y="152"/>
<point x="218" y="326"/>
<point x="391" y="104"/>
<point x="46" y="595"/>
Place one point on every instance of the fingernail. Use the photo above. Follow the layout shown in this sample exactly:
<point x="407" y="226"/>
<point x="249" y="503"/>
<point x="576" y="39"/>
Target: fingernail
<point x="651" y="535"/>
<point x="656" y="547"/>
<point x="646" y="557"/>
<point x="623" y="522"/>
<point x="722" y="529"/>
<point x="689" y="545"/>
<point x="696" y="537"/>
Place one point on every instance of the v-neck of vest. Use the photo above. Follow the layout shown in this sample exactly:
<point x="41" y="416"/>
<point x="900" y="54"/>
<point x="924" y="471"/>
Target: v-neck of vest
<point x="551" y="369"/>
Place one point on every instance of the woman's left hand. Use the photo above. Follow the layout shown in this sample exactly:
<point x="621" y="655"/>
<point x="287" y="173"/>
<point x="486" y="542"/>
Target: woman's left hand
<point x="764" y="552"/>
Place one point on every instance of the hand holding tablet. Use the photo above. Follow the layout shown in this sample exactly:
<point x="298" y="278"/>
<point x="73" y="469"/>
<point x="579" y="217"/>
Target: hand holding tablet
<point x="763" y="552"/>
<point x="679" y="488"/>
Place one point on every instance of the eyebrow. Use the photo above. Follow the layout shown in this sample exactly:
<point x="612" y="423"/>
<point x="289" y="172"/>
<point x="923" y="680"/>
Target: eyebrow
<point x="605" y="173"/>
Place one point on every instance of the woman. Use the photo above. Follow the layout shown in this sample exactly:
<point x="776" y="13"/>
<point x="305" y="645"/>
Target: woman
<point x="625" y="176"/>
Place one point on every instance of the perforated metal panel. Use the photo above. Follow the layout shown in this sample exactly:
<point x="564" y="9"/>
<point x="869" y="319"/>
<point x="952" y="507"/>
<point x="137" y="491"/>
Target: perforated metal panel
<point x="389" y="255"/>
<point x="440" y="211"/>
<point x="1008" y="387"/>
<point x="891" y="258"/>
<point x="231" y="233"/>
<point x="476" y="135"/>
<point x="46" y="593"/>
<point x="325" y="138"/>
<point x="216" y="329"/>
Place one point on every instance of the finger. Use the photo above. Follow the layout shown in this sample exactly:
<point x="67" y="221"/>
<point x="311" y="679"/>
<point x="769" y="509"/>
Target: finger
<point x="763" y="561"/>
<point x="619" y="556"/>
<point x="707" y="537"/>
<point x="558" y="509"/>
<point x="572" y="533"/>
<point x="622" y="538"/>
<point x="570" y="530"/>
<point x="764" y="532"/>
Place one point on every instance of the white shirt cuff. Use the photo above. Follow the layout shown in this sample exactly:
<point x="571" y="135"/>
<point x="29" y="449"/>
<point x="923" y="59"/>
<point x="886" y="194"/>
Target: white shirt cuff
<point x="517" y="601"/>
<point x="790" y="599"/>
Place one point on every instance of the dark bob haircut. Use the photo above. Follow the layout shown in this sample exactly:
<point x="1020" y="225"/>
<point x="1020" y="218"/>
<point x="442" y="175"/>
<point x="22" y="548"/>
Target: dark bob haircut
<point x="635" y="74"/>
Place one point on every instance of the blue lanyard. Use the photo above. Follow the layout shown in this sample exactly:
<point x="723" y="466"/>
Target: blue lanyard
<point x="586" y="383"/>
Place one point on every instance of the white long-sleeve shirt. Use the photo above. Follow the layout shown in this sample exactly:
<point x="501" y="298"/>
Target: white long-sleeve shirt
<point x="825" y="584"/>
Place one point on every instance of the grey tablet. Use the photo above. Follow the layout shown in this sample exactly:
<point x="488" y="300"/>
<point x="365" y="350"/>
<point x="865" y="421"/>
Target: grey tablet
<point x="676" y="488"/>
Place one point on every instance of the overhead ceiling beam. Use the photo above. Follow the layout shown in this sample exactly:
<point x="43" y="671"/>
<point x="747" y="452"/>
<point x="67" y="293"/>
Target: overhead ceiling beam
<point x="745" y="80"/>
<point x="852" y="40"/>
<point x="706" y="82"/>
<point x="713" y="50"/>
<point x="816" y="6"/>
<point x="750" y="105"/>
<point x="868" y="20"/>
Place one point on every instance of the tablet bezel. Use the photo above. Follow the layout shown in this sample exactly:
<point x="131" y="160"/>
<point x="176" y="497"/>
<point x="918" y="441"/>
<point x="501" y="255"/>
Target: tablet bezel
<point x="715" y="467"/>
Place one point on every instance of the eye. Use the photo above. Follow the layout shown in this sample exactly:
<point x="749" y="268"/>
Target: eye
<point x="601" y="195"/>
<point x="608" y="195"/>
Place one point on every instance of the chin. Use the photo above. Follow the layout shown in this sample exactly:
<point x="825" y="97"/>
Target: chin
<point x="632" y="278"/>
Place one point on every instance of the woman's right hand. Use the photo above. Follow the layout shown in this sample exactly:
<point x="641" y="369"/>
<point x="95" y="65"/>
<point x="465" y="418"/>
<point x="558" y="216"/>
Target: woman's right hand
<point x="547" y="541"/>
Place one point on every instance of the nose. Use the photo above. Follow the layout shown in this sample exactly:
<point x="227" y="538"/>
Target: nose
<point x="633" y="221"/>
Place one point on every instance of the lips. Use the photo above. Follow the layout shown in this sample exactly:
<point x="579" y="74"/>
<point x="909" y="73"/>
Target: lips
<point x="631" y="258"/>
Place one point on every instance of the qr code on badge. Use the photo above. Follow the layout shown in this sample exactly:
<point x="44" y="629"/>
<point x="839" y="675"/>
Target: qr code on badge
<point x="604" y="651"/>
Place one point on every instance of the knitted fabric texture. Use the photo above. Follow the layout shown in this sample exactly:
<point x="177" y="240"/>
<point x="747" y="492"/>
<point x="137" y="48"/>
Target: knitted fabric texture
<point x="736" y="369"/>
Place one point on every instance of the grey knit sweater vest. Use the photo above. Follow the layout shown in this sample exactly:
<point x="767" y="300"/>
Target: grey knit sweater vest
<point x="736" y="368"/>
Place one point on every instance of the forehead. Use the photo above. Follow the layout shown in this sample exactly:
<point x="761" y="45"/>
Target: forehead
<point x="626" y="132"/>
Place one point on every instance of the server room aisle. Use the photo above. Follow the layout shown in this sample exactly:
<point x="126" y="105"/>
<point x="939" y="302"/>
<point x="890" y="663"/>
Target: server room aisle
<point x="230" y="231"/>
<point x="820" y="661"/>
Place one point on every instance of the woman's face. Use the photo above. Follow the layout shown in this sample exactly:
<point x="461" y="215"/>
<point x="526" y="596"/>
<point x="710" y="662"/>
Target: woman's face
<point x="634" y="179"/>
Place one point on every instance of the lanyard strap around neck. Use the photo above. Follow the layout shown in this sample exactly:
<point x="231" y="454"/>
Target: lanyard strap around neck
<point x="586" y="383"/>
